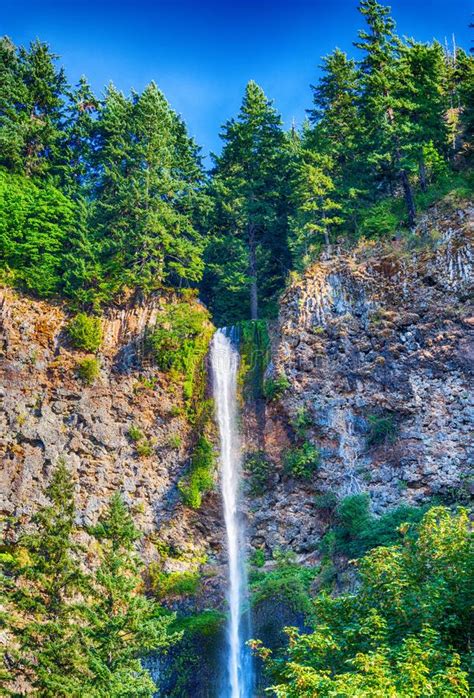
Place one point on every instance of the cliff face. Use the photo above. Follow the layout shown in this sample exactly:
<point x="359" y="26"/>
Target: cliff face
<point x="49" y="413"/>
<point x="378" y="347"/>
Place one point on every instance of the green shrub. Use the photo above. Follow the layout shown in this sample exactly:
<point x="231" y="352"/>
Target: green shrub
<point x="257" y="559"/>
<point x="135" y="433"/>
<point x="358" y="531"/>
<point x="144" y="448"/>
<point x="288" y="581"/>
<point x="174" y="441"/>
<point x="254" y="350"/>
<point x="200" y="477"/>
<point x="326" y="501"/>
<point x="301" y="422"/>
<point x="258" y="468"/>
<point x="88" y="370"/>
<point x="382" y="429"/>
<point x="274" y="388"/>
<point x="179" y="343"/>
<point x="85" y="332"/>
<point x="208" y="623"/>
<point x="301" y="461"/>
<point x="168" y="584"/>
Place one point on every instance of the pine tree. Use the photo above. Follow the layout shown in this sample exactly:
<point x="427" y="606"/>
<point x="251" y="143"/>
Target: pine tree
<point x="317" y="214"/>
<point x="122" y="623"/>
<point x="337" y="130"/>
<point x="43" y="581"/>
<point x="147" y="237"/>
<point x="386" y="114"/>
<point x="423" y="69"/>
<point x="249" y="217"/>
<point x="31" y="109"/>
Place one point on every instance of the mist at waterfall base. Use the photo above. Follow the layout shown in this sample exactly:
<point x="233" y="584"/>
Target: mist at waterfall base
<point x="237" y="681"/>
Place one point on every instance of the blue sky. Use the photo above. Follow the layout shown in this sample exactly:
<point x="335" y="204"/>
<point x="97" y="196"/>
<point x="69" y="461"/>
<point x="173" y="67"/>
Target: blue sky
<point x="202" y="53"/>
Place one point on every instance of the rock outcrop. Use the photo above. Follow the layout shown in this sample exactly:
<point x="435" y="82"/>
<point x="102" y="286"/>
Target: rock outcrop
<point x="378" y="347"/>
<point x="49" y="413"/>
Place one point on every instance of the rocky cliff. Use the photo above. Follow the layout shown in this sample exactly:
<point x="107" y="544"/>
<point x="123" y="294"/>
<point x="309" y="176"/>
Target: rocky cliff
<point x="377" y="344"/>
<point x="48" y="412"/>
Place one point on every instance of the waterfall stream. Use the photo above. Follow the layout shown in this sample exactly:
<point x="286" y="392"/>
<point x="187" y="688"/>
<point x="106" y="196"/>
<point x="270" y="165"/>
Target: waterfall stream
<point x="224" y="362"/>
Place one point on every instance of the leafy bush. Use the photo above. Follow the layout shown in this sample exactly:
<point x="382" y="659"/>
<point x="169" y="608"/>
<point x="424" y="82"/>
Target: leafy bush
<point x="257" y="559"/>
<point x="85" y="332"/>
<point x="135" y="433"/>
<point x="289" y="582"/>
<point x="301" y="422"/>
<point x="382" y="429"/>
<point x="258" y="468"/>
<point x="168" y="584"/>
<point x="144" y="448"/>
<point x="301" y="461"/>
<point x="325" y="501"/>
<point x="200" y="477"/>
<point x="179" y="342"/>
<point x="406" y="631"/>
<point x="254" y="350"/>
<point x="357" y="531"/>
<point x="274" y="388"/>
<point x="88" y="370"/>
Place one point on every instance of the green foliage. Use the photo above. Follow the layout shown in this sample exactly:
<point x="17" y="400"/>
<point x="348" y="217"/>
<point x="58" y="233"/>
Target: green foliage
<point x="70" y="632"/>
<point x="275" y="388"/>
<point x="288" y="581"/>
<point x="85" y="332"/>
<point x="179" y="343"/>
<point x="43" y="577"/>
<point x="172" y="584"/>
<point x="382" y="429"/>
<point x="357" y="530"/>
<point x="257" y="559"/>
<point x="144" y="448"/>
<point x="258" y="469"/>
<point x="325" y="501"/>
<point x="254" y="350"/>
<point x="200" y="477"/>
<point x="208" y="623"/>
<point x="301" y="461"/>
<point x="88" y="369"/>
<point x="135" y="433"/>
<point x="405" y="631"/>
<point x="301" y="422"/>
<point x="247" y="250"/>
<point x="36" y="219"/>
<point x="122" y="622"/>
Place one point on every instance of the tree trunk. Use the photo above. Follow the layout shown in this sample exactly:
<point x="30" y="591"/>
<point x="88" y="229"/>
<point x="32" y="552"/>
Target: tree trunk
<point x="253" y="274"/>
<point x="409" y="200"/>
<point x="422" y="174"/>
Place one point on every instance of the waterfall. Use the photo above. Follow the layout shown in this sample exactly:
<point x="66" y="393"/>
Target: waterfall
<point x="224" y="362"/>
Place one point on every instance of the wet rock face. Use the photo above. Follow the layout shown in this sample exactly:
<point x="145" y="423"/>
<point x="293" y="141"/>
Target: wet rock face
<point x="48" y="413"/>
<point x="378" y="346"/>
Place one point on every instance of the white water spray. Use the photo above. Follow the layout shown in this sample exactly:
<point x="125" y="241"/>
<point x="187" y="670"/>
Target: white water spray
<point x="225" y="361"/>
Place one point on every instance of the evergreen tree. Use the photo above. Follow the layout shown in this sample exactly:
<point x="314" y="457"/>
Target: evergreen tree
<point x="146" y="235"/>
<point x="31" y="109"/>
<point x="388" y="130"/>
<point x="423" y="70"/>
<point x="121" y="623"/>
<point x="248" y="251"/>
<point x="43" y="581"/>
<point x="337" y="131"/>
<point x="316" y="214"/>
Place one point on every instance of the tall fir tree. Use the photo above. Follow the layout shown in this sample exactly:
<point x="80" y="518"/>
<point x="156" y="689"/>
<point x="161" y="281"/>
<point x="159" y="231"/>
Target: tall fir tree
<point x="121" y="623"/>
<point x="43" y="580"/>
<point x="248" y="253"/>
<point x="32" y="105"/>
<point x="384" y="109"/>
